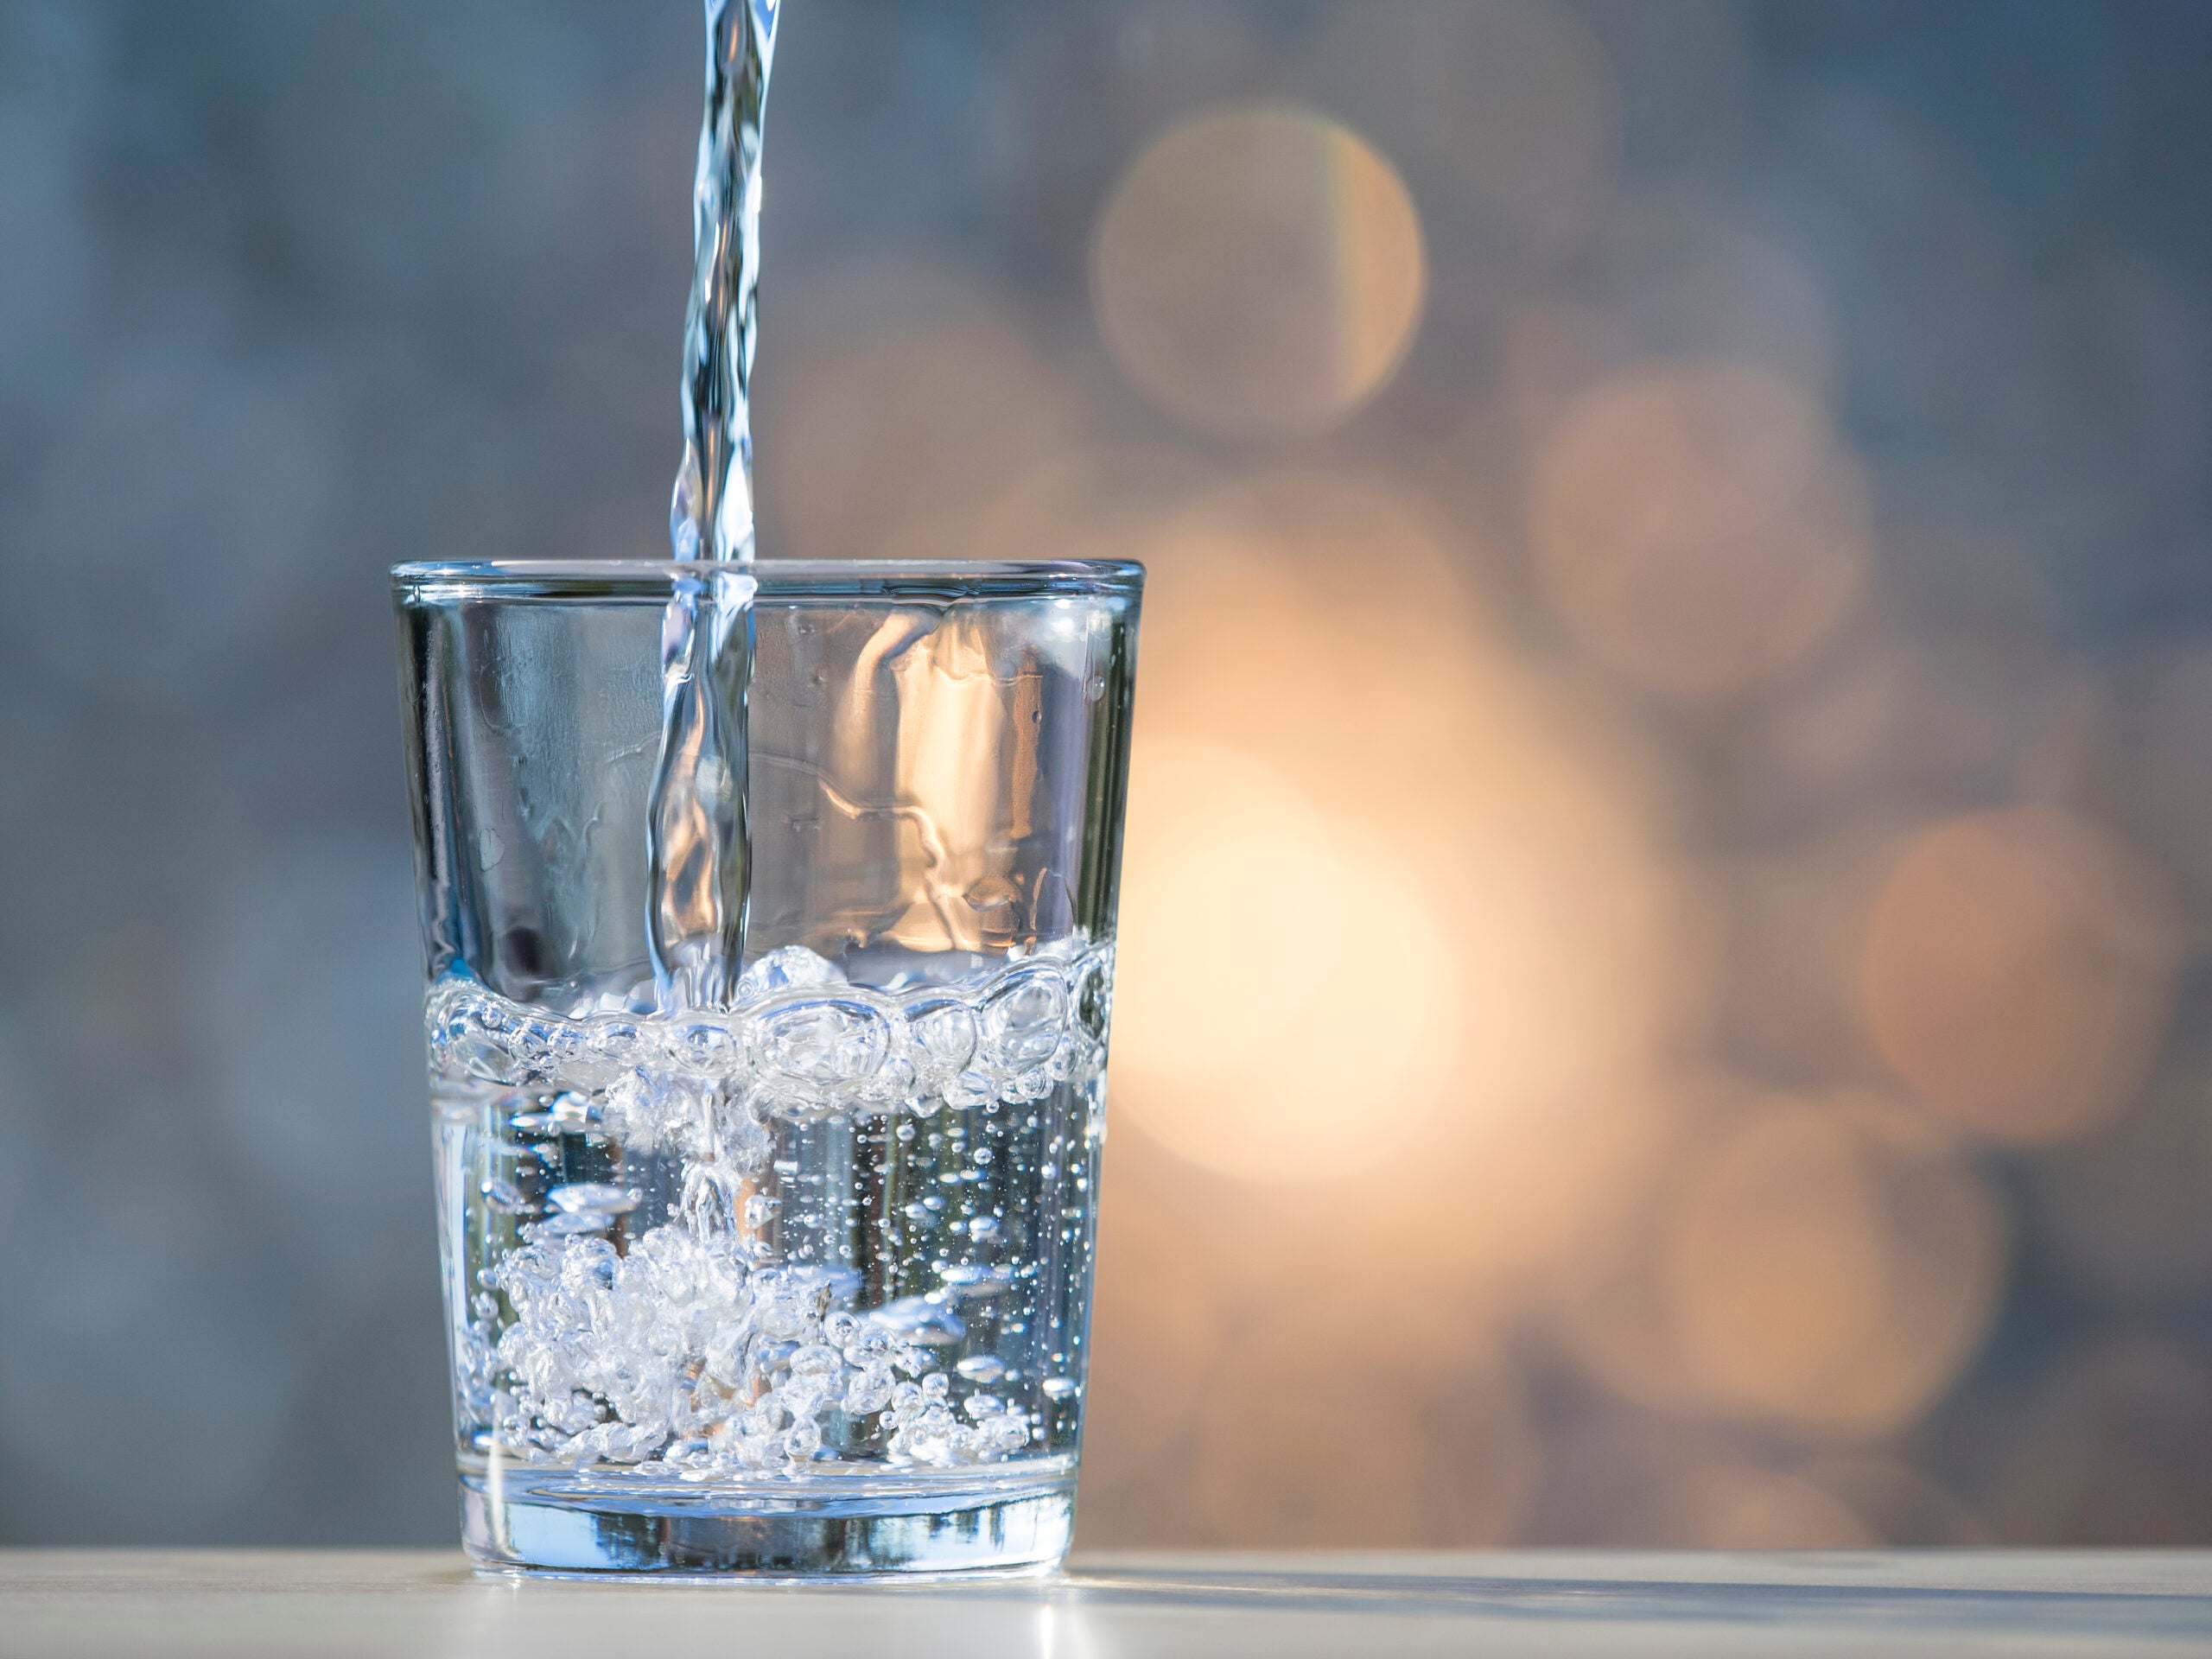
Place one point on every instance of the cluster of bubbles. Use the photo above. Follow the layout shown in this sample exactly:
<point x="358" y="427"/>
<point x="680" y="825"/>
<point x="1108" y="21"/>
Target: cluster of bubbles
<point x="800" y="1041"/>
<point x="688" y="1348"/>
<point x="684" y="1354"/>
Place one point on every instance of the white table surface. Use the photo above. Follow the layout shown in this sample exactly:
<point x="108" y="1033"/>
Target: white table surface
<point x="1494" y="1604"/>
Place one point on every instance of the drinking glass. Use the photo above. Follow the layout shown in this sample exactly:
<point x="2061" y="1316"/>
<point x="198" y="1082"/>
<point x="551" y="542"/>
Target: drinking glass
<point x="795" y="1281"/>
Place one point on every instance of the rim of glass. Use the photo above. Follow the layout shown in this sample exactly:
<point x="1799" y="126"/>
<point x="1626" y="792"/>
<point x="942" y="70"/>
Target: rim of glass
<point x="451" y="579"/>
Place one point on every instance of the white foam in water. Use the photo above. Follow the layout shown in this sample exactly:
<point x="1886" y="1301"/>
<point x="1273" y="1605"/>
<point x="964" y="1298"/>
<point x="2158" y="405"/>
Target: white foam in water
<point x="688" y="1347"/>
<point x="800" y="1043"/>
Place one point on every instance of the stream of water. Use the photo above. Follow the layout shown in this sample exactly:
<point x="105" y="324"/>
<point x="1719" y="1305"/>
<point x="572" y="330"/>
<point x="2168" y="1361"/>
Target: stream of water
<point x="697" y="851"/>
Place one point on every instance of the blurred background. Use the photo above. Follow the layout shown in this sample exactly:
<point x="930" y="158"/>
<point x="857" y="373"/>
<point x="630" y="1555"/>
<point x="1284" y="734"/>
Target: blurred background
<point x="1664" y="986"/>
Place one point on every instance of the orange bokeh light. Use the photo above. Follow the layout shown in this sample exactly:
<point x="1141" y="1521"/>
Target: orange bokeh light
<point x="1694" y="526"/>
<point x="1287" y="1009"/>
<point x="2018" y="972"/>
<point x="1259" y="272"/>
<point x="1425" y="866"/>
<point x="1830" y="1265"/>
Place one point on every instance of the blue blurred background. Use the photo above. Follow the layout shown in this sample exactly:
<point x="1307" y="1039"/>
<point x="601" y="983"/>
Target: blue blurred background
<point x="1681" y="525"/>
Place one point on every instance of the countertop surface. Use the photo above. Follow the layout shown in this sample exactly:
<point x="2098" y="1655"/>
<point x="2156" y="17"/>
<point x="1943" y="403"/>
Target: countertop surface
<point x="1495" y="1603"/>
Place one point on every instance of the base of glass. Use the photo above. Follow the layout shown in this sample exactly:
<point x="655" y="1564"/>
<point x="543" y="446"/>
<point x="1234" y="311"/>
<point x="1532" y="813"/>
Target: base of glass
<point x="542" y="1524"/>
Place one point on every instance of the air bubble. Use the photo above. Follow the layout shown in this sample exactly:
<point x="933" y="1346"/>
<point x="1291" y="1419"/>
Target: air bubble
<point x="971" y="1281"/>
<point x="942" y="1031"/>
<point x="813" y="1050"/>
<point x="1023" y="1021"/>
<point x="921" y="1320"/>
<point x="598" y="1197"/>
<point x="567" y="1226"/>
<point x="789" y="967"/>
<point x="869" y="1390"/>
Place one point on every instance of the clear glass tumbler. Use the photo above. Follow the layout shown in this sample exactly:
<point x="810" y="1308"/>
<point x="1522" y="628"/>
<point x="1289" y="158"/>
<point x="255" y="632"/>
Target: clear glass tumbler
<point x="798" y="1283"/>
